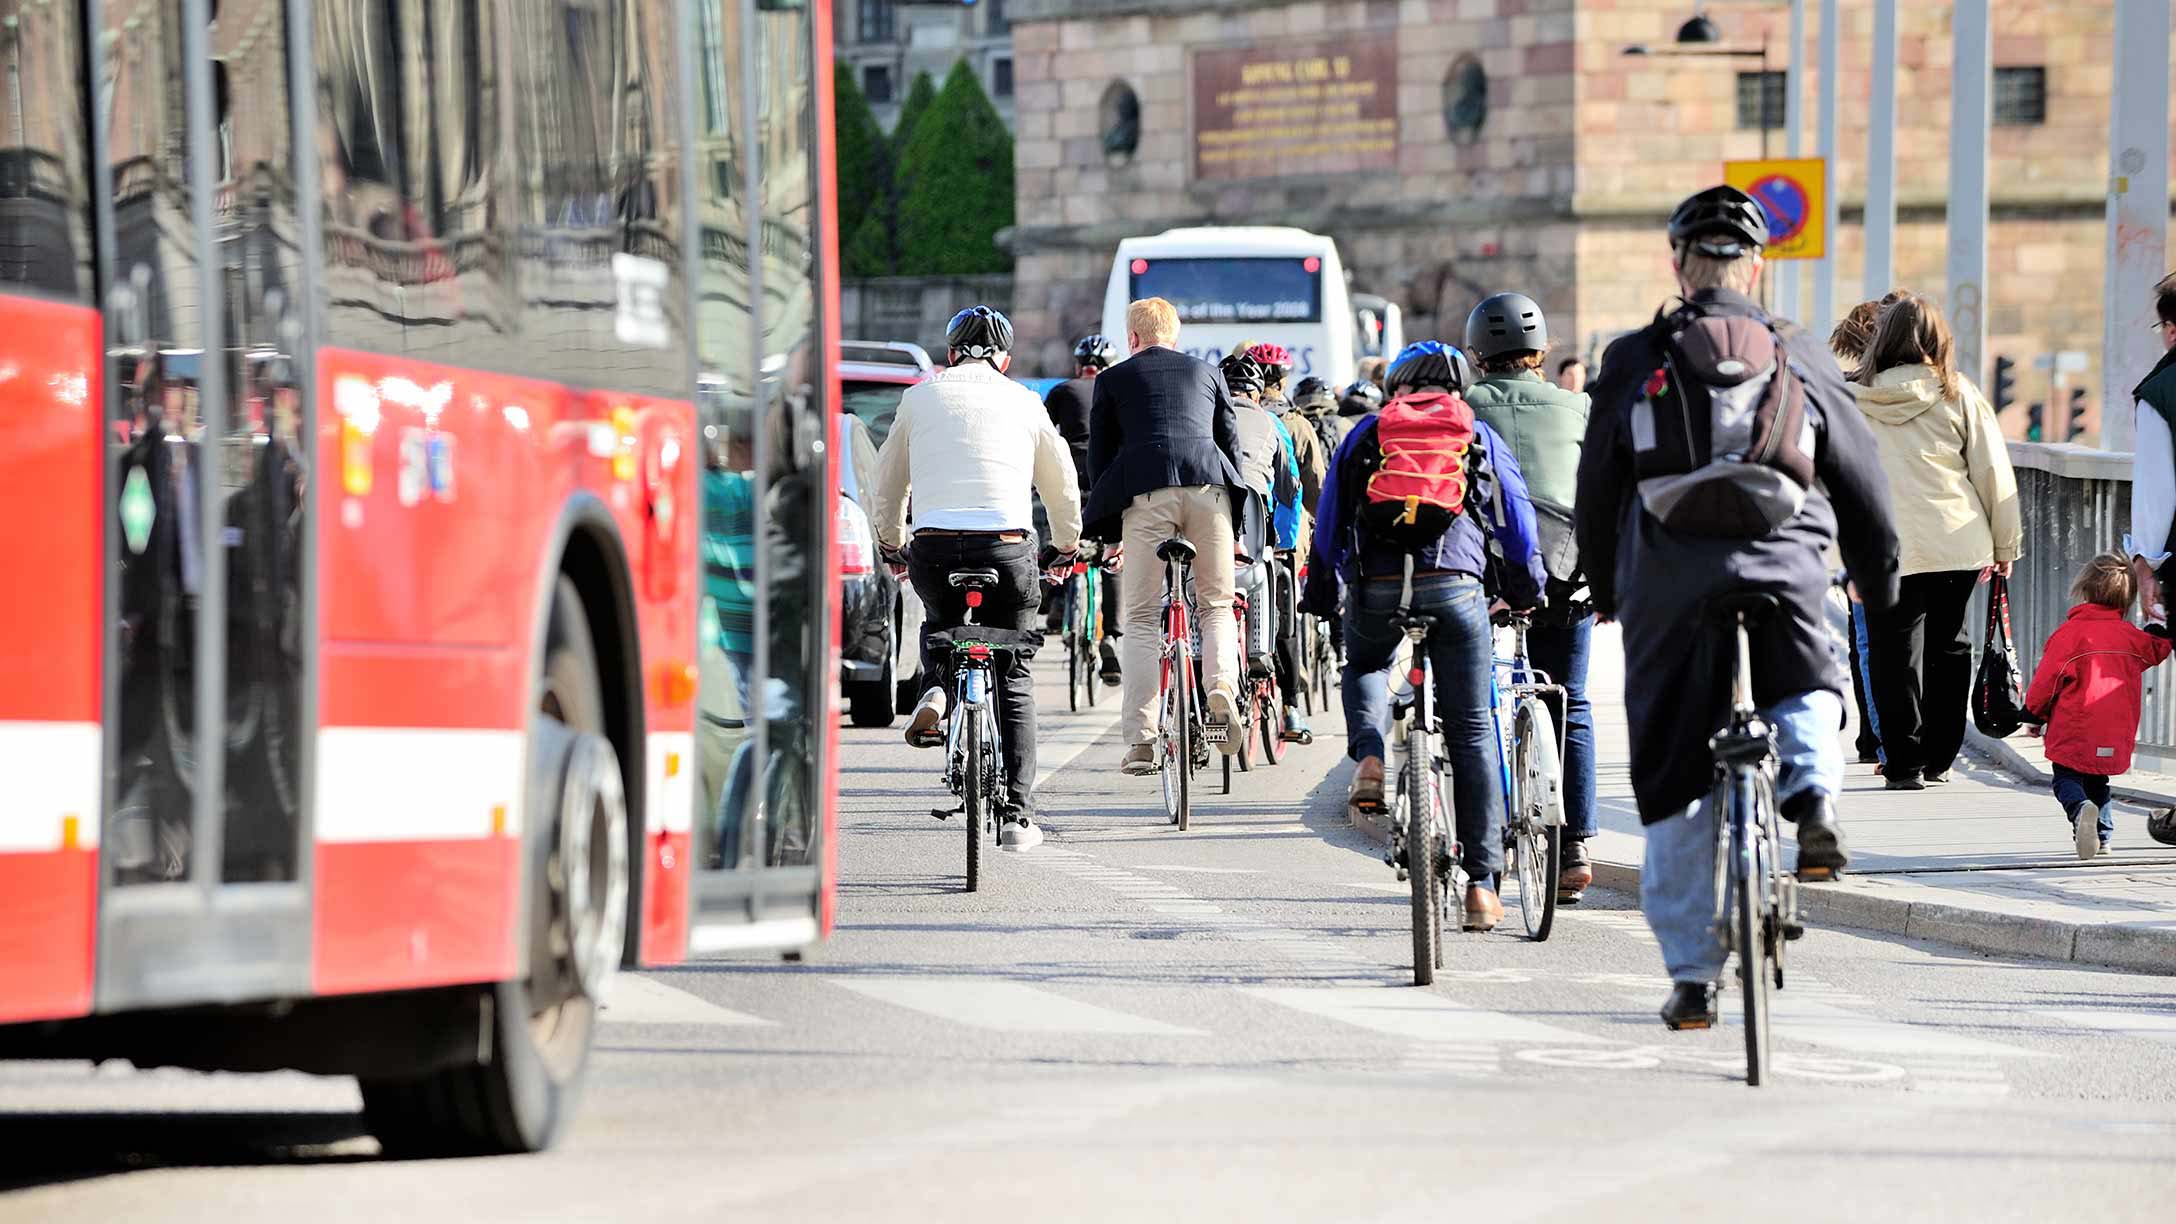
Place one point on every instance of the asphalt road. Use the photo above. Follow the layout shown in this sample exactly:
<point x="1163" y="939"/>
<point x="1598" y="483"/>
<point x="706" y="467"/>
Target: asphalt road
<point x="1212" y="1025"/>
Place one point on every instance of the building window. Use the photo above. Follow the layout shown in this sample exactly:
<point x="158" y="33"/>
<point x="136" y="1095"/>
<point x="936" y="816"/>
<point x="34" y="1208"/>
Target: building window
<point x="875" y="23"/>
<point x="2021" y="96"/>
<point x="1000" y="78"/>
<point x="999" y="23"/>
<point x="1761" y="100"/>
<point x="876" y="83"/>
<point x="1121" y="122"/>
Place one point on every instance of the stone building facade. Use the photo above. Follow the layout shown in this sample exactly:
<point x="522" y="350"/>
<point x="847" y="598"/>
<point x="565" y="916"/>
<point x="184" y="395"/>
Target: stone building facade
<point x="885" y="43"/>
<point x="1532" y="153"/>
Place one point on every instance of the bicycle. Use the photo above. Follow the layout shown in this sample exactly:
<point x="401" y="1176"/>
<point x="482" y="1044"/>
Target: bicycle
<point x="1423" y="843"/>
<point x="1182" y="743"/>
<point x="1083" y="632"/>
<point x="1756" y="901"/>
<point x="974" y="764"/>
<point x="1530" y="749"/>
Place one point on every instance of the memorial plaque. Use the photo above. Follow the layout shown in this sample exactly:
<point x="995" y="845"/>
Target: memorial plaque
<point x="1267" y="111"/>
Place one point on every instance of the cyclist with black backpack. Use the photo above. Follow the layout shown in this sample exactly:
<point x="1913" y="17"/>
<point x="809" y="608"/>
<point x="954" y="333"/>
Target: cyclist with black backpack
<point x="1424" y="479"/>
<point x="1723" y="458"/>
<point x="1544" y="424"/>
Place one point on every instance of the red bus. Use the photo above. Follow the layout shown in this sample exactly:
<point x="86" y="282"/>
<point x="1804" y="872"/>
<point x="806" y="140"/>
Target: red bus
<point x="416" y="418"/>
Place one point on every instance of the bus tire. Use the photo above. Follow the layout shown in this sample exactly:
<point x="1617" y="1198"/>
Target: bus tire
<point x="520" y="1091"/>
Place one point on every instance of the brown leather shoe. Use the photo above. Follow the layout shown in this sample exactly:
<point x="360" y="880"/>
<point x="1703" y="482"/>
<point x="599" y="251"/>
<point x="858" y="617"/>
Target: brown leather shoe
<point x="1367" y="787"/>
<point x="1483" y="909"/>
<point x="1572" y="883"/>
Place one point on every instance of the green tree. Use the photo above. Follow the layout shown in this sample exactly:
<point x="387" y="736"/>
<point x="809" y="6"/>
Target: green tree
<point x="956" y="184"/>
<point x="919" y="95"/>
<point x="866" y="198"/>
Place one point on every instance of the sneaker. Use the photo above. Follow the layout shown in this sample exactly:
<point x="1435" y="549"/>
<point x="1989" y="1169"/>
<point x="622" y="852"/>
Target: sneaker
<point x="2087" y="829"/>
<point x="1296" y="730"/>
<point x="1366" y="794"/>
<point x="1224" y="716"/>
<point x="1903" y="782"/>
<point x="1691" y="1005"/>
<point x="1020" y="833"/>
<point x="1139" y="761"/>
<point x="1936" y="779"/>
<point x="926" y="729"/>
<point x="1575" y="872"/>
<point x="2106" y="848"/>
<point x="1112" y="675"/>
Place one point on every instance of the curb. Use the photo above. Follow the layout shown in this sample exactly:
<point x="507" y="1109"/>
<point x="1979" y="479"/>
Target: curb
<point x="2139" y="949"/>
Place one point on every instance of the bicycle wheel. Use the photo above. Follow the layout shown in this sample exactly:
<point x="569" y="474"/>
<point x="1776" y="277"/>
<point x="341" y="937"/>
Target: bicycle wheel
<point x="1752" y="949"/>
<point x="1414" y="796"/>
<point x="977" y="803"/>
<point x="1539" y="848"/>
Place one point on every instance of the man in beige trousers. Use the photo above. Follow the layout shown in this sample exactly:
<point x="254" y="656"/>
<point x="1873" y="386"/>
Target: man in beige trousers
<point x="1163" y="441"/>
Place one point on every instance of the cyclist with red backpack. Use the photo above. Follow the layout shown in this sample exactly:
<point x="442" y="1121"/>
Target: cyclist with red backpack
<point x="1424" y="478"/>
<point x="1723" y="457"/>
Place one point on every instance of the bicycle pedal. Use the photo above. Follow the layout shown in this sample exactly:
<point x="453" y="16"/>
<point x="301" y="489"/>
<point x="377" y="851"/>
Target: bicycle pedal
<point x="947" y="813"/>
<point x="1216" y="733"/>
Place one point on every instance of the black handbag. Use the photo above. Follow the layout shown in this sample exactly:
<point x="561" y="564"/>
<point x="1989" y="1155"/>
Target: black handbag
<point x="1998" y="699"/>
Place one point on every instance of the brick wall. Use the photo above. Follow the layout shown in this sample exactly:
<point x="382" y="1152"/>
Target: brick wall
<point x="1584" y="151"/>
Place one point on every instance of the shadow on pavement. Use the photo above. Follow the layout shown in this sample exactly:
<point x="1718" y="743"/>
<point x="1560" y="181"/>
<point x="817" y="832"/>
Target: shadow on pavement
<point x="51" y="1148"/>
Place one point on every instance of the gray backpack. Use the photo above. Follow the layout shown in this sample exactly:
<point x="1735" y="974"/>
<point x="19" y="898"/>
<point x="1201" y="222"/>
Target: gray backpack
<point x="1720" y="435"/>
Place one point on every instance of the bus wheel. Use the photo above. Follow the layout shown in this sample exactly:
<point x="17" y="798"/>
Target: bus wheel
<point x="520" y="1092"/>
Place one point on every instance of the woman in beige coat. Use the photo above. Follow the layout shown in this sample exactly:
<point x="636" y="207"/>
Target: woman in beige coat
<point x="1956" y="521"/>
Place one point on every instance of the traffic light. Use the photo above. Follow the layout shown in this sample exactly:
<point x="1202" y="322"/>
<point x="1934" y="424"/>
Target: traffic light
<point x="2032" y="421"/>
<point x="2077" y="414"/>
<point x="2006" y="385"/>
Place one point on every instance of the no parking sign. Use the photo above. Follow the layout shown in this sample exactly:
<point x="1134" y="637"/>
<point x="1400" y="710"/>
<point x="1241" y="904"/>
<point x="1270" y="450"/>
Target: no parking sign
<point x="1794" y="193"/>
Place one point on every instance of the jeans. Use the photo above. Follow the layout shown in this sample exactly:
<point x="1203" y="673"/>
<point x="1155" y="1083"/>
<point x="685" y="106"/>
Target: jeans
<point x="2073" y="788"/>
<point x="1460" y="649"/>
<point x="1561" y="652"/>
<point x="1011" y="604"/>
<point x="1862" y="685"/>
<point x="1922" y="663"/>
<point x="1677" y="886"/>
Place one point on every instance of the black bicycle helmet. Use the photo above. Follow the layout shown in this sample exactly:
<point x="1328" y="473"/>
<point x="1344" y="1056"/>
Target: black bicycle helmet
<point x="1095" y="351"/>
<point x="1430" y="363"/>
<point x="1242" y="373"/>
<point x="1313" y="393"/>
<point x="1721" y="222"/>
<point x="978" y="333"/>
<point x="1506" y="323"/>
<point x="1361" y="396"/>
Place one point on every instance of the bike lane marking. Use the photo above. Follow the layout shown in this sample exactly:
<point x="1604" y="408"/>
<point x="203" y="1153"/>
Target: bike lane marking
<point x="1006" y="1007"/>
<point x="1417" y="1015"/>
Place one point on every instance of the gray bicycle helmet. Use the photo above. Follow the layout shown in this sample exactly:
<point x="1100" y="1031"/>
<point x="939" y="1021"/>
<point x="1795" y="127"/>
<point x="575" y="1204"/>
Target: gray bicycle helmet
<point x="1506" y="323"/>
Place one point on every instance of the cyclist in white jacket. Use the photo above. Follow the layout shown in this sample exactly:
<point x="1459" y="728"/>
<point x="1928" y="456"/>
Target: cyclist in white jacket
<point x="969" y="446"/>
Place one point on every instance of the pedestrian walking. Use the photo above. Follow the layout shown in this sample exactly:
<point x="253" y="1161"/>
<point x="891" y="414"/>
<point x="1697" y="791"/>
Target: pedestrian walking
<point x="1957" y="524"/>
<point x="2086" y="694"/>
<point x="1163" y="442"/>
<point x="2153" y="463"/>
<point x="1849" y="342"/>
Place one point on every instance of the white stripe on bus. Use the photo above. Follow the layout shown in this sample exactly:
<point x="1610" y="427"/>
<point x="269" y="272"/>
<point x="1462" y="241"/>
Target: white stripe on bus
<point x="380" y="784"/>
<point x="52" y="771"/>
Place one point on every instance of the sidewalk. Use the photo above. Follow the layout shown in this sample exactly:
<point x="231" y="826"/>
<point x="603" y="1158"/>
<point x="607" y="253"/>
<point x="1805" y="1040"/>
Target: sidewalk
<point x="1985" y="861"/>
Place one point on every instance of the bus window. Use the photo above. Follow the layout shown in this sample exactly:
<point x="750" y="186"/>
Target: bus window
<point x="1245" y="289"/>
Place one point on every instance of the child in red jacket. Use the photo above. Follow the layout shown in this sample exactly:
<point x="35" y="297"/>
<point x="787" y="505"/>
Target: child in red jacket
<point x="2086" y="695"/>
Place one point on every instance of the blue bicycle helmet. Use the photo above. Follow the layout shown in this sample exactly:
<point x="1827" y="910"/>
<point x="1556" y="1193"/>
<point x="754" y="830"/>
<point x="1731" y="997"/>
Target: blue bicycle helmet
<point x="979" y="333"/>
<point x="1429" y="363"/>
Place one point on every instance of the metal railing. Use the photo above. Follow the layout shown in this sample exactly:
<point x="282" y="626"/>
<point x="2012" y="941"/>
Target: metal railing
<point x="2076" y="502"/>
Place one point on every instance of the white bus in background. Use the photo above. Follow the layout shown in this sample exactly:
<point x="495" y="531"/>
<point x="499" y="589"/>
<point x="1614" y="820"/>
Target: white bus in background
<point x="1249" y="283"/>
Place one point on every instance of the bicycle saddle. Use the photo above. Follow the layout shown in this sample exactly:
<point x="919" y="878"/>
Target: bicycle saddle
<point x="1177" y="548"/>
<point x="1754" y="606"/>
<point x="973" y="579"/>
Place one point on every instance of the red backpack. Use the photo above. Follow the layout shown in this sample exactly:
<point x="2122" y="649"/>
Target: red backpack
<point x="1419" y="488"/>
